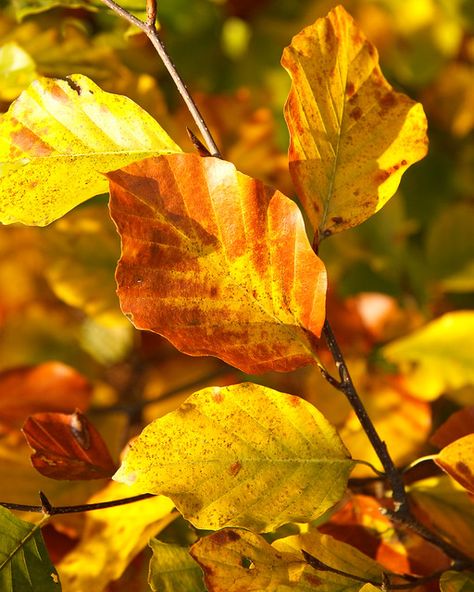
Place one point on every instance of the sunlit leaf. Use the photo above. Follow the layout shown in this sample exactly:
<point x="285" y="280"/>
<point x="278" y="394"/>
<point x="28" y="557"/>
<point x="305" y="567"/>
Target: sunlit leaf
<point x="24" y="8"/>
<point x="68" y="129"/>
<point x="17" y="70"/>
<point x="67" y="447"/>
<point x="457" y="459"/>
<point x="172" y="568"/>
<point x="352" y="135"/>
<point x="24" y="562"/>
<point x="217" y="262"/>
<point x="457" y="425"/>
<point x="243" y="455"/>
<point x="446" y="508"/>
<point x="111" y="539"/>
<point x="48" y="387"/>
<point x="454" y="581"/>
<point x="432" y="357"/>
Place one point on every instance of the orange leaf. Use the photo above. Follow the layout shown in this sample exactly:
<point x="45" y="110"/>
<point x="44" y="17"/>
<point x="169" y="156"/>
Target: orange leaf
<point x="457" y="459"/>
<point x="217" y="262"/>
<point x="67" y="447"/>
<point x="352" y="135"/>
<point x="457" y="425"/>
<point x="48" y="387"/>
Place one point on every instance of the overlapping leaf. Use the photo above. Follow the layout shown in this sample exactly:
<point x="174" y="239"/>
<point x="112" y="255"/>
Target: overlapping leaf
<point x="17" y="70"/>
<point x="67" y="447"/>
<point x="172" y="568"/>
<point x="243" y="455"/>
<point x="352" y="135"/>
<point x="68" y="130"/>
<point x="432" y="357"/>
<point x="457" y="459"/>
<point x="217" y="262"/>
<point x="453" y="581"/>
<point x="24" y="562"/>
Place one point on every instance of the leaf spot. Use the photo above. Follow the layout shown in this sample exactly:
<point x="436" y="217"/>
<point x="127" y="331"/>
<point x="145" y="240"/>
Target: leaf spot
<point x="350" y="89"/>
<point x="337" y="219"/>
<point x="234" y="468"/>
<point x="387" y="101"/>
<point x="463" y="468"/>
<point x="356" y="113"/>
<point x="222" y="537"/>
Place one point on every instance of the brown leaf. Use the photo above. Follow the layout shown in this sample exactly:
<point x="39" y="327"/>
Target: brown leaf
<point x="457" y="425"/>
<point x="48" y="387"/>
<point x="67" y="447"/>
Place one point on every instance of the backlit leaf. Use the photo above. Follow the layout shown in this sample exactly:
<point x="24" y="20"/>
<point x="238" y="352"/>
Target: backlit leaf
<point x="17" y="70"/>
<point x="48" y="387"/>
<point x="112" y="538"/>
<point x="432" y="357"/>
<point x="457" y="425"/>
<point x="24" y="8"/>
<point x="446" y="508"/>
<point x="243" y="455"/>
<point x="60" y="130"/>
<point x="67" y="447"/>
<point x="217" y="262"/>
<point x="457" y="459"/>
<point x="352" y="135"/>
<point x="24" y="562"/>
<point x="172" y="568"/>
<point x="454" y="581"/>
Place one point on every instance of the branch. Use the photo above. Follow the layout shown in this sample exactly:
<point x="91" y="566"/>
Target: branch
<point x="150" y="31"/>
<point x="49" y="510"/>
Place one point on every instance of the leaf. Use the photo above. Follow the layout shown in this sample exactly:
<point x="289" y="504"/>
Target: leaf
<point x="112" y="538"/>
<point x="172" y="568"/>
<point x="457" y="425"/>
<point x="24" y="8"/>
<point x="242" y="455"/>
<point x="68" y="129"/>
<point x="454" y="581"/>
<point x="457" y="459"/>
<point x="67" y="447"/>
<point x="24" y="562"/>
<point x="217" y="263"/>
<point x="238" y="560"/>
<point x="446" y="508"/>
<point x="51" y="386"/>
<point x="432" y="357"/>
<point x="17" y="70"/>
<point x="352" y="136"/>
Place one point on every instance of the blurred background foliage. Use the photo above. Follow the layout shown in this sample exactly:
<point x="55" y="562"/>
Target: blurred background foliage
<point x="408" y="264"/>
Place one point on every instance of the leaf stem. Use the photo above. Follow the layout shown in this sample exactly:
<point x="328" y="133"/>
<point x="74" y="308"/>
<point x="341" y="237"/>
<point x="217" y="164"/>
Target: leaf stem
<point x="49" y="510"/>
<point x="150" y="31"/>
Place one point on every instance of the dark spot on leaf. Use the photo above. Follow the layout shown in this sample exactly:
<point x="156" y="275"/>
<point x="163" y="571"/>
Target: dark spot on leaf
<point x="381" y="176"/>
<point x="218" y="397"/>
<point x="350" y="89"/>
<point x="74" y="85"/>
<point x="235" y="468"/>
<point x="313" y="580"/>
<point x="222" y="537"/>
<point x="327" y="233"/>
<point x="337" y="219"/>
<point x="186" y="408"/>
<point x="213" y="292"/>
<point x="295" y="401"/>
<point x="246" y="562"/>
<point x="388" y="100"/>
<point x="403" y="162"/>
<point x="356" y="113"/>
<point x="463" y="468"/>
<point x="356" y="193"/>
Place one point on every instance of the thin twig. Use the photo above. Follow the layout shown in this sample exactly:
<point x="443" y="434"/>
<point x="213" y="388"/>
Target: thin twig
<point x="152" y="34"/>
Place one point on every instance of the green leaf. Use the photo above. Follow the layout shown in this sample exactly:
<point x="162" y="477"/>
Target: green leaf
<point x="24" y="562"/>
<point x="453" y="581"/>
<point x="243" y="455"/>
<point x="24" y="8"/>
<point x="172" y="568"/>
<point x="59" y="137"/>
<point x="434" y="358"/>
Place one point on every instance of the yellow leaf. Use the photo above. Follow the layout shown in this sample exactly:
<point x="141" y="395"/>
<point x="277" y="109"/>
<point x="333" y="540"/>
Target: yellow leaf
<point x="17" y="70"/>
<point x="201" y="242"/>
<point x="243" y="455"/>
<point x="457" y="459"/>
<point x="446" y="508"/>
<point x="433" y="358"/>
<point x="352" y="135"/>
<point x="111" y="539"/>
<point x="59" y="137"/>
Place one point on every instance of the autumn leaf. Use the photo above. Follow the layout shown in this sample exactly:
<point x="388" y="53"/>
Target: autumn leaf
<point x="457" y="425"/>
<point x="67" y="447"/>
<point x="51" y="386"/>
<point x="70" y="130"/>
<point x="432" y="358"/>
<point x="112" y="538"/>
<point x="172" y="568"/>
<point x="352" y="136"/>
<point x="457" y="459"/>
<point x="17" y="70"/>
<point x="454" y="581"/>
<point x="243" y="455"/>
<point x="217" y="263"/>
<point x="24" y="562"/>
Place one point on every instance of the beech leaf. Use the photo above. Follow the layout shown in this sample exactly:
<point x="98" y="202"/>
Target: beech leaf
<point x="24" y="562"/>
<point x="243" y="455"/>
<point x="457" y="459"/>
<point x="172" y="568"/>
<point x="60" y="130"/>
<point x="217" y="262"/>
<point x="351" y="135"/>
<point x="67" y="447"/>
